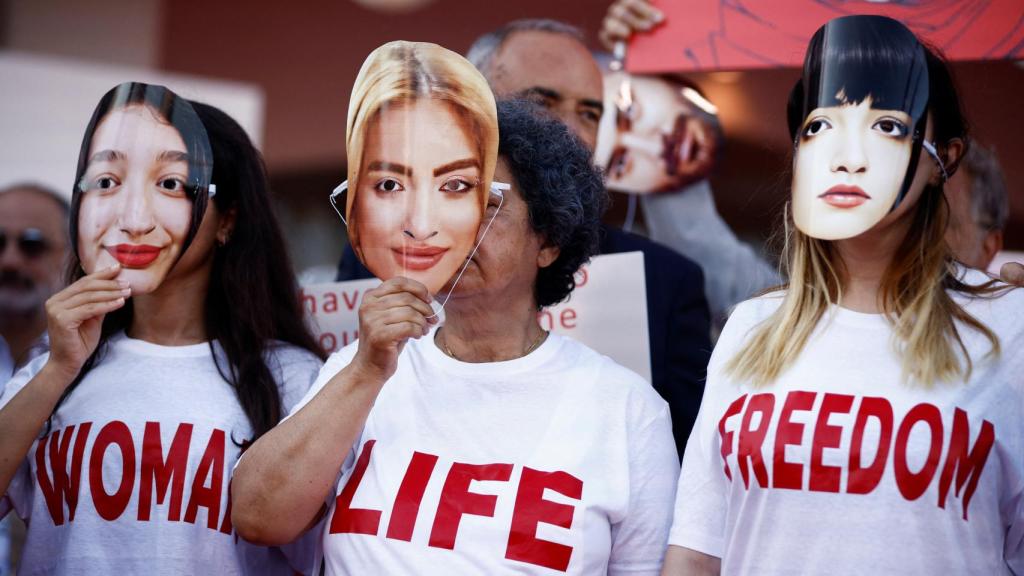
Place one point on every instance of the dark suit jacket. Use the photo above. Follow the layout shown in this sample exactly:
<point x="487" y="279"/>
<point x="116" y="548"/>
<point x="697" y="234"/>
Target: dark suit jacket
<point x="678" y="322"/>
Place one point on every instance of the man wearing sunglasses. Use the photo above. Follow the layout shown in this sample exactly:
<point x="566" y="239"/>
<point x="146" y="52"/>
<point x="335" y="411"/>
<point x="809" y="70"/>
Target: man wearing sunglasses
<point x="33" y="243"/>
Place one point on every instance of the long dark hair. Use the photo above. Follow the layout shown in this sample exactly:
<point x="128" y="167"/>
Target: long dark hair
<point x="252" y="304"/>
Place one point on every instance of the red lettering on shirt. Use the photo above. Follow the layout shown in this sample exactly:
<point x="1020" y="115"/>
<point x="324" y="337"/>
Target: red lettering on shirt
<point x="64" y="487"/>
<point x="111" y="506"/>
<point x="410" y="494"/>
<point x="751" y="439"/>
<point x="966" y="464"/>
<point x="962" y="463"/>
<point x="864" y="479"/>
<point x="209" y="497"/>
<point x="913" y="484"/>
<point x="531" y="509"/>
<point x="457" y="500"/>
<point x="726" y="437"/>
<point x="826" y="478"/>
<point x="789" y="474"/>
<point x="156" y="470"/>
<point x="116" y="445"/>
<point x="355" y="520"/>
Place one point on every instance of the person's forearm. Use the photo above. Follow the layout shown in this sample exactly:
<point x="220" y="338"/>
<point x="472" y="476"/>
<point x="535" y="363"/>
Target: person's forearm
<point x="681" y="561"/>
<point x="23" y="417"/>
<point x="282" y="481"/>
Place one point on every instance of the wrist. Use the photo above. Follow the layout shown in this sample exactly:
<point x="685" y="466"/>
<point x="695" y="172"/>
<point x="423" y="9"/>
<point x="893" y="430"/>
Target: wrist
<point x="60" y="377"/>
<point x="365" y="373"/>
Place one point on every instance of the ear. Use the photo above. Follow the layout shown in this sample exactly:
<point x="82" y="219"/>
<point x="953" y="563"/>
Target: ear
<point x="952" y="154"/>
<point x="991" y="245"/>
<point x="227" y="225"/>
<point x="547" y="255"/>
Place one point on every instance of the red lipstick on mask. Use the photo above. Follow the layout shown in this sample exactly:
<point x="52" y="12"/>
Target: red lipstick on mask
<point x="418" y="258"/>
<point x="134" y="255"/>
<point x="845" y="196"/>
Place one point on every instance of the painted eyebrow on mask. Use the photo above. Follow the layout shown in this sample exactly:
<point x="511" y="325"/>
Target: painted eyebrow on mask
<point x="456" y="165"/>
<point x="107" y="156"/>
<point x="379" y="166"/>
<point x="171" y="156"/>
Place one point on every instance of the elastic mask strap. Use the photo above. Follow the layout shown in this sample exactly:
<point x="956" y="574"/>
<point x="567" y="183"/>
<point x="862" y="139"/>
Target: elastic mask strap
<point x="338" y="191"/>
<point x="498" y="189"/>
<point x="930" y="148"/>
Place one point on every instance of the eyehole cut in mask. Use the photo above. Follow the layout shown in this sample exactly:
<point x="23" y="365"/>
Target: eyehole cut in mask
<point x="142" y="184"/>
<point x="422" y="143"/>
<point x="857" y="117"/>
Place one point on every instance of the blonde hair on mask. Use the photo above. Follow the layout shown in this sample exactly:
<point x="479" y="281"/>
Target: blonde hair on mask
<point x="401" y="72"/>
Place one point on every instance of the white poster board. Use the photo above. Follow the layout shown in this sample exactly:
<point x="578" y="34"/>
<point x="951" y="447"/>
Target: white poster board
<point x="607" y="311"/>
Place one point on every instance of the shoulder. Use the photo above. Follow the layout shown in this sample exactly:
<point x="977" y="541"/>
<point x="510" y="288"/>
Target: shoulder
<point x="752" y="312"/>
<point x="22" y="377"/>
<point x="294" y="368"/>
<point x="1000" y="307"/>
<point x="607" y="379"/>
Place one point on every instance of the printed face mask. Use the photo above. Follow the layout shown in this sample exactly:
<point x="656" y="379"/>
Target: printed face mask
<point x="423" y="163"/>
<point x="857" y="118"/>
<point x="143" y="184"/>
<point x="655" y="135"/>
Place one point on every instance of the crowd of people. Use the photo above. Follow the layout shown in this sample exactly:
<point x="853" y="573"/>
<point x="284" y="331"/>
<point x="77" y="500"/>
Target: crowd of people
<point x="856" y="409"/>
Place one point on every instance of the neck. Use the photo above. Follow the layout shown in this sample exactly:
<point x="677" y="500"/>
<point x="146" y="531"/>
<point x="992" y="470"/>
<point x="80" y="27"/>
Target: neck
<point x="482" y="330"/>
<point x="172" y="315"/>
<point x="21" y="330"/>
<point x="866" y="258"/>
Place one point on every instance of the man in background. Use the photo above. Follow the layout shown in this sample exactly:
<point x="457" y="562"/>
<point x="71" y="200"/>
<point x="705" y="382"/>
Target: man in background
<point x="547" y="61"/>
<point x="979" y="208"/>
<point x="33" y="246"/>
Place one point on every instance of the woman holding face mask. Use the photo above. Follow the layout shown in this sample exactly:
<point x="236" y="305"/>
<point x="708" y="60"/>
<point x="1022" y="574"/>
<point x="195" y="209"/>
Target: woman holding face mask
<point x="866" y="418"/>
<point x="487" y="445"/>
<point x="178" y="342"/>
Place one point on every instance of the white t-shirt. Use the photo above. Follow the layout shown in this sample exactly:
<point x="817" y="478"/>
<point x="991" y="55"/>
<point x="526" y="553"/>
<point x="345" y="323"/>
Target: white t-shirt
<point x="561" y="461"/>
<point x="133" y="477"/>
<point x="841" y="468"/>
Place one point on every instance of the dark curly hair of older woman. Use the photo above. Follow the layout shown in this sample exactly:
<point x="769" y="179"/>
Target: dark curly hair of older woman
<point x="563" y="191"/>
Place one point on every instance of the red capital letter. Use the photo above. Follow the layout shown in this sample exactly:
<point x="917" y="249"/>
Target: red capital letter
<point x="155" y="469"/>
<point x="531" y="509"/>
<point x="410" y="494"/>
<point x="789" y="474"/>
<point x="348" y="520"/>
<point x="826" y="478"/>
<point x="864" y="479"/>
<point x="457" y="500"/>
<point x="965" y="464"/>
<point x="111" y="506"/>
<point x="726" y="437"/>
<point x="752" y="439"/>
<point x="62" y="489"/>
<point x="912" y="485"/>
<point x="208" y="497"/>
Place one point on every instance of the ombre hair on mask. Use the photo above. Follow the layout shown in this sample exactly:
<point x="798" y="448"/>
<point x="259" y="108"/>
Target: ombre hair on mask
<point x="422" y="143"/>
<point x="857" y="118"/>
<point x="142" y="184"/>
